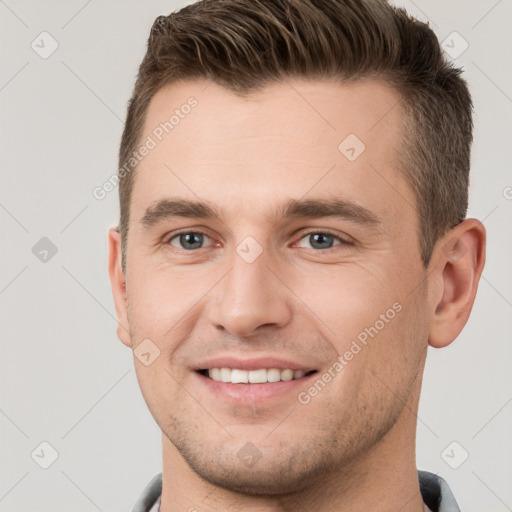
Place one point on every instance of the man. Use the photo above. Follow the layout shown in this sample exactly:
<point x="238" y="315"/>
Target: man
<point x="293" y="191"/>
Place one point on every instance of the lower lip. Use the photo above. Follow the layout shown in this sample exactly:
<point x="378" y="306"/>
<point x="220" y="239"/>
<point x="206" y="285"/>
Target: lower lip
<point x="251" y="393"/>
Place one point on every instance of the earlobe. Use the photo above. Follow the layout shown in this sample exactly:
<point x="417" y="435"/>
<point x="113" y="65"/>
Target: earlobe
<point x="459" y="258"/>
<point x="117" y="282"/>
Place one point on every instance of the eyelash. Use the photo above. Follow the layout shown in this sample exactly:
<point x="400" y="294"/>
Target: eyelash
<point x="343" y="242"/>
<point x="303" y="235"/>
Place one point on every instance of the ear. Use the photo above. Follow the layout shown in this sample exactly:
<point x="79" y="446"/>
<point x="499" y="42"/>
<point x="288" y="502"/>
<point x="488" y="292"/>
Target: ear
<point x="118" y="285"/>
<point x="458" y="262"/>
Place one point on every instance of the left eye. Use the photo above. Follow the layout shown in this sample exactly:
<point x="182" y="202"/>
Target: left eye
<point x="321" y="240"/>
<point x="189" y="241"/>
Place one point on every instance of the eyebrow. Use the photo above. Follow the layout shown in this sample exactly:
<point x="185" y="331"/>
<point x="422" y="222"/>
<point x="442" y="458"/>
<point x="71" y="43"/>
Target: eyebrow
<point x="165" y="209"/>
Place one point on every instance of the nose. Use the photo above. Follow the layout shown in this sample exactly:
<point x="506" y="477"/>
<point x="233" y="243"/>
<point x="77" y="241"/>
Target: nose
<point x="249" y="297"/>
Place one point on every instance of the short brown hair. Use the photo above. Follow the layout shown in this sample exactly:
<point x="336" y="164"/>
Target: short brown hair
<point x="244" y="45"/>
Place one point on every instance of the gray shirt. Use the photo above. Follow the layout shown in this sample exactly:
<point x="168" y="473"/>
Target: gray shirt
<point x="436" y="494"/>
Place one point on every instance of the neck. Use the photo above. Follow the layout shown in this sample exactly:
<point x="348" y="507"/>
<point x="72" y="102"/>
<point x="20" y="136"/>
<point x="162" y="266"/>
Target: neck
<point x="384" y="479"/>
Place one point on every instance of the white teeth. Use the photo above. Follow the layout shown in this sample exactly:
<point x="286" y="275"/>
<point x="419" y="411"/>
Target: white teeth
<point x="258" y="376"/>
<point x="286" y="374"/>
<point x="261" y="376"/>
<point x="273" y="375"/>
<point x="225" y="374"/>
<point x="239" y="376"/>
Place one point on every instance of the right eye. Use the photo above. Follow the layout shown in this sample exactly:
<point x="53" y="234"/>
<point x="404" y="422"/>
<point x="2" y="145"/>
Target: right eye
<point x="188" y="240"/>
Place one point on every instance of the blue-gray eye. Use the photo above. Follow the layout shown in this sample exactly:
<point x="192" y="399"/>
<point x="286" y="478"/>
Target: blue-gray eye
<point x="188" y="241"/>
<point x="320" y="240"/>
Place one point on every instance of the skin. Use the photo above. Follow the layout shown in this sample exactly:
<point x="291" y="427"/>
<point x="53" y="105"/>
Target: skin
<point x="352" y="446"/>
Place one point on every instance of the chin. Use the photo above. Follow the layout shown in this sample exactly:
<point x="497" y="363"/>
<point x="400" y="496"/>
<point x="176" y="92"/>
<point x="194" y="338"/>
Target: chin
<point x="253" y="481"/>
<point x="275" y="471"/>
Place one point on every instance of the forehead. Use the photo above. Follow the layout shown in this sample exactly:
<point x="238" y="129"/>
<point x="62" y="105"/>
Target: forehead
<point x="287" y="140"/>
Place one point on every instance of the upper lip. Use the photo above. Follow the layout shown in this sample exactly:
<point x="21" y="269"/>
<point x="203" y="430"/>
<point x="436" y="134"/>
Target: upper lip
<point x="254" y="363"/>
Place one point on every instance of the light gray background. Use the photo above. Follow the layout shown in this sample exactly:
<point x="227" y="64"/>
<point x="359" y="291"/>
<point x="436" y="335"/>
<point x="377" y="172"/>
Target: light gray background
<point x="65" y="377"/>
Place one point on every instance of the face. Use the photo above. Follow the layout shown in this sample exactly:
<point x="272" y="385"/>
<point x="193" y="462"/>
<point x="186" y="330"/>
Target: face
<point x="272" y="238"/>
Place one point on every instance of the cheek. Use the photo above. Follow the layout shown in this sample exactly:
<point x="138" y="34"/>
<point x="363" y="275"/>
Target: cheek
<point x="347" y="300"/>
<point x="160" y="301"/>
<point x="374" y="324"/>
<point x="396" y="351"/>
<point x="160" y="390"/>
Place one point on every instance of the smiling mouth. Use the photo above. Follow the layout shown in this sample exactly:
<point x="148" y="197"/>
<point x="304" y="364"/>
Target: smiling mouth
<point x="260" y="376"/>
